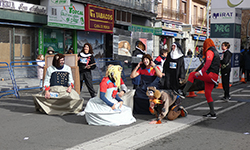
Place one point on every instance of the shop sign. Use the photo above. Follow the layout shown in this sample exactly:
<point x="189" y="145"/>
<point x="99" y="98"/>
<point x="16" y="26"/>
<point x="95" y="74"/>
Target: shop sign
<point x="230" y="3"/>
<point x="226" y="16"/>
<point x="58" y="3"/>
<point x="229" y="30"/>
<point x="138" y="28"/>
<point x="167" y="33"/>
<point x="25" y="7"/>
<point x="99" y="19"/>
<point x="67" y="16"/>
<point x="201" y="38"/>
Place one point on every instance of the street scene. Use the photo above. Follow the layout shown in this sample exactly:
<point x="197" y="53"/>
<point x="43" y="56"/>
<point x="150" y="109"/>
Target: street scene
<point x="124" y="74"/>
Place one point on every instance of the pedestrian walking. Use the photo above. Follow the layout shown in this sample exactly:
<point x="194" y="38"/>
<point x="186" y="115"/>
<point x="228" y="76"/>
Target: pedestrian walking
<point x="225" y="69"/>
<point x="86" y="63"/>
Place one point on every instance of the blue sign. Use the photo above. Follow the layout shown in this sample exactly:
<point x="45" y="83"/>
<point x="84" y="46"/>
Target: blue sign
<point x="235" y="60"/>
<point x="167" y="33"/>
<point x="201" y="38"/>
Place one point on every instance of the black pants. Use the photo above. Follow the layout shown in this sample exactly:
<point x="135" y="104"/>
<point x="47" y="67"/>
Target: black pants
<point x="87" y="77"/>
<point x="225" y="82"/>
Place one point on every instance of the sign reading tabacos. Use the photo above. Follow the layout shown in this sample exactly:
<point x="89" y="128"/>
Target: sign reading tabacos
<point x="99" y="19"/>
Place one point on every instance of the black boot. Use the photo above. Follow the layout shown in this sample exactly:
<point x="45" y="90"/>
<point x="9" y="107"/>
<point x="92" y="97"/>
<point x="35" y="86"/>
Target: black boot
<point x="186" y="88"/>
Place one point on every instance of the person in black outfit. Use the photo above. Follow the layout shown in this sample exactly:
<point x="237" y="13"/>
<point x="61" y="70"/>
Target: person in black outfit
<point x="174" y="68"/>
<point x="225" y="69"/>
<point x="86" y="63"/>
<point x="140" y="50"/>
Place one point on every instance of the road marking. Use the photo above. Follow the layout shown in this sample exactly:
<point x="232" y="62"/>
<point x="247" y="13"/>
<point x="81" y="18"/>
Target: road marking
<point x="247" y="91"/>
<point x="232" y="92"/>
<point x="206" y="108"/>
<point x="240" y="95"/>
<point x="143" y="133"/>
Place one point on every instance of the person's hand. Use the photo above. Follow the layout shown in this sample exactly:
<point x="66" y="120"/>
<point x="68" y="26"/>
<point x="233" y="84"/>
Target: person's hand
<point x="87" y="67"/>
<point x="152" y="64"/>
<point x="69" y="89"/>
<point x="78" y="58"/>
<point x="139" y="64"/>
<point x="121" y="102"/>
<point x="120" y="94"/>
<point x="163" y="74"/>
<point x="113" y="107"/>
<point x="126" y="61"/>
<point x="197" y="74"/>
<point x="47" y="94"/>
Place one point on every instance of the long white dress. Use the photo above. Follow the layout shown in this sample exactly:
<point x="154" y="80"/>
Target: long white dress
<point x="97" y="112"/>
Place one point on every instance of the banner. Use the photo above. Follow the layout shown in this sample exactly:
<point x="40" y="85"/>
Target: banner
<point x="67" y="16"/>
<point x="230" y="4"/>
<point x="59" y="3"/>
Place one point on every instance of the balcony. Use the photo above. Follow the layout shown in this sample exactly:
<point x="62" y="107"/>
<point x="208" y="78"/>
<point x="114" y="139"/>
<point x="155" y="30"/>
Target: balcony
<point x="171" y="14"/>
<point x="197" y="21"/>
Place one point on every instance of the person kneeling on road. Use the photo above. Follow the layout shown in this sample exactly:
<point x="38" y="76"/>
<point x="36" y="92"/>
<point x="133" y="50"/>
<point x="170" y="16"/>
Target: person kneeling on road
<point x="164" y="104"/>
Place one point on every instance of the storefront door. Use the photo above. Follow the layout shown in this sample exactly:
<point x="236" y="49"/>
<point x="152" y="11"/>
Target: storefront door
<point x="22" y="49"/>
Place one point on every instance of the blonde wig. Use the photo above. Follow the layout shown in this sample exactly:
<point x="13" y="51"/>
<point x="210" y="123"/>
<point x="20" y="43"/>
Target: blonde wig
<point x="114" y="72"/>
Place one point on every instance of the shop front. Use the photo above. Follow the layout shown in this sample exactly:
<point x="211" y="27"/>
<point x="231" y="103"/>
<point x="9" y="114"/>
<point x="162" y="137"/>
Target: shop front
<point x="19" y="28"/>
<point x="61" y="30"/>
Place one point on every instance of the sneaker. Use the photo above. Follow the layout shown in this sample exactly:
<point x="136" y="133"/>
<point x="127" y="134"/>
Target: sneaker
<point x="182" y="95"/>
<point x="209" y="115"/>
<point x="229" y="98"/>
<point x="82" y="113"/>
<point x="183" y="111"/>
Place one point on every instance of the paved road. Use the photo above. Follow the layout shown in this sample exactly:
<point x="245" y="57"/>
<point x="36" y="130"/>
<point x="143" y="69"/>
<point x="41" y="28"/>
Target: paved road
<point x="25" y="129"/>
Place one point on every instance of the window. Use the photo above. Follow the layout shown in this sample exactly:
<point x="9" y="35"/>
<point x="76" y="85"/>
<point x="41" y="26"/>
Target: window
<point x="201" y="13"/>
<point x="123" y="16"/>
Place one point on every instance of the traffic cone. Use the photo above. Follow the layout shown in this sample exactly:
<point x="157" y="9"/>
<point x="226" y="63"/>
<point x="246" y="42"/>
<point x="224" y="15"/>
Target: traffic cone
<point x="220" y="84"/>
<point x="201" y="92"/>
<point x="191" y="94"/>
<point x="243" y="78"/>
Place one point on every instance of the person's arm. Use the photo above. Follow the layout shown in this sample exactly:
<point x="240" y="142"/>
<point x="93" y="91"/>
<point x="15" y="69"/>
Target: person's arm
<point x="209" y="59"/>
<point x="157" y="69"/>
<point x="182" y="69"/>
<point x="47" y="83"/>
<point x="92" y="63"/>
<point x="135" y="73"/>
<point x="103" y="90"/>
<point x="70" y="81"/>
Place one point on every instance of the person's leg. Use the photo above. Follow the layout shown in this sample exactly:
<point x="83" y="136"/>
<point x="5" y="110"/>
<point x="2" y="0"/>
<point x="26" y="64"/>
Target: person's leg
<point x="81" y="81"/>
<point x="89" y="84"/>
<point x="227" y="85"/>
<point x="224" y="84"/>
<point x="208" y="90"/>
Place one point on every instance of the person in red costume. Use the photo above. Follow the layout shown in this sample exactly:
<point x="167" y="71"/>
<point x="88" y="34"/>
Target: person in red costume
<point x="208" y="73"/>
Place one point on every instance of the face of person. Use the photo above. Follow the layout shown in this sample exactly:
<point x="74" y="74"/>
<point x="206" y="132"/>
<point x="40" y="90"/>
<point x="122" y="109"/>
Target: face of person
<point x="42" y="58"/>
<point x="125" y="45"/>
<point x="61" y="61"/>
<point x="165" y="54"/>
<point x="223" y="47"/>
<point x="50" y="52"/>
<point x="86" y="49"/>
<point x="141" y="46"/>
<point x="173" y="47"/>
<point x="146" y="61"/>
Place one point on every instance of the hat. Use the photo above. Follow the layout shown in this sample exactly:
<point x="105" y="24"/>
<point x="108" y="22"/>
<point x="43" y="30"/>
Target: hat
<point x="50" y="49"/>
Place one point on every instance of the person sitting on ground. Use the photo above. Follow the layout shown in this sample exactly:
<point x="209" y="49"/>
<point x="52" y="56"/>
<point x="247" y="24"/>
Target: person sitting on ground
<point x="150" y="76"/>
<point x="59" y="97"/>
<point x="107" y="107"/>
<point x="164" y="103"/>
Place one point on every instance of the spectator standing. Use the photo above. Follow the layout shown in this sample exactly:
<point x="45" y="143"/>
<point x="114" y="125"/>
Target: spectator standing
<point x="86" y="63"/>
<point x="40" y="66"/>
<point x="225" y="69"/>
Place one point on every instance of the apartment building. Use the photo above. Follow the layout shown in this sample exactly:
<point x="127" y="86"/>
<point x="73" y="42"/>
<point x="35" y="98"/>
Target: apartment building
<point x="183" y="21"/>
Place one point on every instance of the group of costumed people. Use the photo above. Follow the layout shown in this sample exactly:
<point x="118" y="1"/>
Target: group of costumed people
<point x="115" y="105"/>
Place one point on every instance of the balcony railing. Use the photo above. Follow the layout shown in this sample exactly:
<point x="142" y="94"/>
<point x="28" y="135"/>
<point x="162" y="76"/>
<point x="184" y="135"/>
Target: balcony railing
<point x="197" y="21"/>
<point x="171" y="14"/>
<point x="143" y="5"/>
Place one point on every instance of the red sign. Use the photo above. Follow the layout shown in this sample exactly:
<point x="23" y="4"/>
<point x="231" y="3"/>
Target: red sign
<point x="99" y="19"/>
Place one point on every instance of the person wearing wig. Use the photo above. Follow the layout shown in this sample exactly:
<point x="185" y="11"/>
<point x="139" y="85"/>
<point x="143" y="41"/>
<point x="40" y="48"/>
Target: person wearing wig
<point x="174" y="68"/>
<point x="107" y="107"/>
<point x="208" y="73"/>
<point x="59" y="97"/>
<point x="86" y="63"/>
<point x="150" y="76"/>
